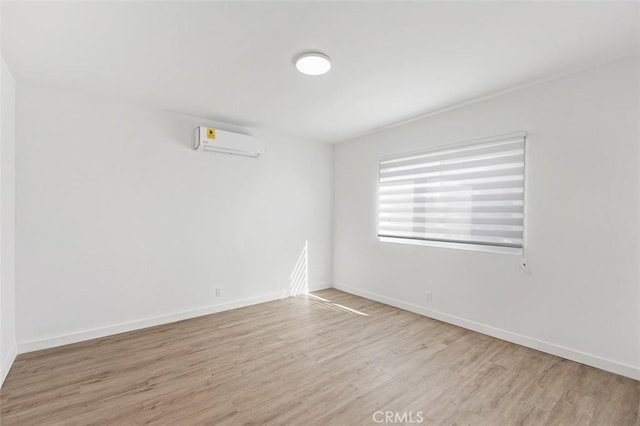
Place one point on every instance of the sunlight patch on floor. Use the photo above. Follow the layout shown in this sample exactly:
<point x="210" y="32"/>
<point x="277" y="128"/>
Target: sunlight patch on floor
<point x="327" y="305"/>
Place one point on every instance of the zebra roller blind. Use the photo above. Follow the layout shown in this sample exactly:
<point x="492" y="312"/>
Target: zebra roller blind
<point x="468" y="196"/>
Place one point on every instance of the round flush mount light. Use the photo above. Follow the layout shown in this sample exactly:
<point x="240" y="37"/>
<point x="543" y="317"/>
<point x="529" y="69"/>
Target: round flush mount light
<point x="313" y="63"/>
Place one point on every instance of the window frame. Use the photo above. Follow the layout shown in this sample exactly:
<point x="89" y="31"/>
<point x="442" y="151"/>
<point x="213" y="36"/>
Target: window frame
<point x="519" y="251"/>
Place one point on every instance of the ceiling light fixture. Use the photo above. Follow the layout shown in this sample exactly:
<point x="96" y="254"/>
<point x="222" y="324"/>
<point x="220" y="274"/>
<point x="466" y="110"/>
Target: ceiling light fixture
<point x="313" y="63"/>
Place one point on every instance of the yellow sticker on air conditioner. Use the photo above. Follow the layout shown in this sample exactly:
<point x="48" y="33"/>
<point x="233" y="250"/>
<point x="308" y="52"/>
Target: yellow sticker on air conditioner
<point x="211" y="133"/>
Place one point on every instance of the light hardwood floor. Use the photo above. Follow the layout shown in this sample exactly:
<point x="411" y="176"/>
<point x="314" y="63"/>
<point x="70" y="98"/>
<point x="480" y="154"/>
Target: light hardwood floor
<point x="329" y="358"/>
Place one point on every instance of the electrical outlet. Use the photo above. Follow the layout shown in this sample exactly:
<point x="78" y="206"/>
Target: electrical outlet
<point x="429" y="296"/>
<point x="218" y="292"/>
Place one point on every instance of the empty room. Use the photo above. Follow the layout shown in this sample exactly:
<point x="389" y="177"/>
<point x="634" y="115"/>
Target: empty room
<point x="320" y="213"/>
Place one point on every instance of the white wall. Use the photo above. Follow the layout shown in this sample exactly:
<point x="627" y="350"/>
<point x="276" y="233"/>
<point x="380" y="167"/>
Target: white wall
<point x="582" y="297"/>
<point x="7" y="221"/>
<point x="121" y="224"/>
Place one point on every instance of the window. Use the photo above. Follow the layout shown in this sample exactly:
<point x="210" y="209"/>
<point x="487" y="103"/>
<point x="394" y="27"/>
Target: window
<point x="468" y="196"/>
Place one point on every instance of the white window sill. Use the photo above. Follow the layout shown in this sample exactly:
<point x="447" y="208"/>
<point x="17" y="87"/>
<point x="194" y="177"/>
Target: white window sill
<point x="459" y="246"/>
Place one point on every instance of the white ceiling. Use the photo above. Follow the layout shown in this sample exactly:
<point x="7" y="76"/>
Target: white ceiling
<point x="232" y="62"/>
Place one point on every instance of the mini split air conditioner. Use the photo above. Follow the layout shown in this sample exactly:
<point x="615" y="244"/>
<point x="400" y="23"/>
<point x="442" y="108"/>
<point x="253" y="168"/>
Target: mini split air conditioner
<point x="215" y="140"/>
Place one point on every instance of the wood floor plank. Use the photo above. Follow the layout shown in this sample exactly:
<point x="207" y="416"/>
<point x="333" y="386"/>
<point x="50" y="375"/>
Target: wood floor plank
<point x="324" y="358"/>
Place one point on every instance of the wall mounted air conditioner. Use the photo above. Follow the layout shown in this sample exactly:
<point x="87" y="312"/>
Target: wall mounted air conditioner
<point x="215" y="140"/>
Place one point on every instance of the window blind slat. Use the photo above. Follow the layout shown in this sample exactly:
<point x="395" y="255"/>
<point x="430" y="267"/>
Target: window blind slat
<point x="463" y="226"/>
<point x="466" y="194"/>
<point x="506" y="224"/>
<point x="472" y="194"/>
<point x="426" y="200"/>
<point x="456" y="152"/>
<point x="453" y="215"/>
<point x="450" y="204"/>
<point x="440" y="174"/>
<point x="496" y="157"/>
<point x="474" y="182"/>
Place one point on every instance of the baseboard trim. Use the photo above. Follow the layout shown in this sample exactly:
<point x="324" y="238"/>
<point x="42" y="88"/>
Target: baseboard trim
<point x="530" y="342"/>
<point x="95" y="333"/>
<point x="6" y="364"/>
